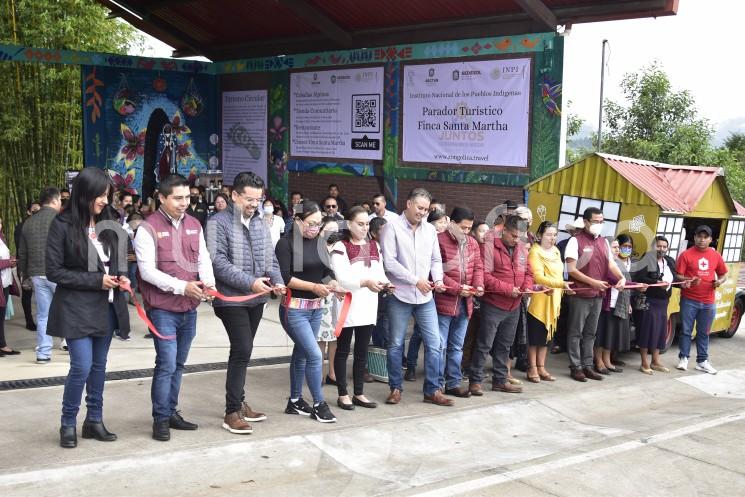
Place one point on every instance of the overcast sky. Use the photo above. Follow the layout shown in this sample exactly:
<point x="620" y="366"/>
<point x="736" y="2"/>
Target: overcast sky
<point x="697" y="48"/>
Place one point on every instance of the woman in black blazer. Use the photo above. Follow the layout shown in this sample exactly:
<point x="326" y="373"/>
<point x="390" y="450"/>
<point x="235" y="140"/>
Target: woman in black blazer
<point x="651" y="324"/>
<point x="87" y="259"/>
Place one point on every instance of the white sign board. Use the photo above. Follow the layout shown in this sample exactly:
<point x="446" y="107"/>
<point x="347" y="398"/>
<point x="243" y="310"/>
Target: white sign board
<point x="337" y="113"/>
<point x="471" y="112"/>
<point x="244" y="133"/>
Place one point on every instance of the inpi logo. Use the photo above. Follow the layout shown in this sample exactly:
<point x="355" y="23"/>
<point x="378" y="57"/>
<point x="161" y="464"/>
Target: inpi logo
<point x="431" y="72"/>
<point x="456" y="75"/>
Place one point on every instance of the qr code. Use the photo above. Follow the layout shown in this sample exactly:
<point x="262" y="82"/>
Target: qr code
<point x="365" y="113"/>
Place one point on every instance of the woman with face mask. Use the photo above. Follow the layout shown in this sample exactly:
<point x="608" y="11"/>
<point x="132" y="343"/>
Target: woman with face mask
<point x="655" y="267"/>
<point x="300" y="315"/>
<point x="276" y="224"/>
<point x="358" y="262"/>
<point x="614" y="326"/>
<point x="544" y="308"/>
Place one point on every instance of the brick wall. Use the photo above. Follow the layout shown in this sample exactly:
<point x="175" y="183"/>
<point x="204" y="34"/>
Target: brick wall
<point x="352" y="188"/>
<point x="479" y="198"/>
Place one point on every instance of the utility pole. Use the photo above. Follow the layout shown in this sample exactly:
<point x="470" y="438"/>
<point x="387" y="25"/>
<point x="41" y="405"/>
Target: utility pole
<point x="602" y="81"/>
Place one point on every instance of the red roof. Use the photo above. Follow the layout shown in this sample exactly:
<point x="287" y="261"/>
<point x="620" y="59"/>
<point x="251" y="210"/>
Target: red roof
<point x="673" y="188"/>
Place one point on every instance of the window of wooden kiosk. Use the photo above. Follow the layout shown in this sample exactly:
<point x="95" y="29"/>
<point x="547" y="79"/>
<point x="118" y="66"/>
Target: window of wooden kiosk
<point x="573" y="207"/>
<point x="671" y="227"/>
<point x="732" y="248"/>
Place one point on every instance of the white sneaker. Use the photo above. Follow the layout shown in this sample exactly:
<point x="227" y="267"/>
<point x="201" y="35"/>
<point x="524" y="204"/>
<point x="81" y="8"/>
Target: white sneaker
<point x="63" y="344"/>
<point x="706" y="367"/>
<point x="683" y="364"/>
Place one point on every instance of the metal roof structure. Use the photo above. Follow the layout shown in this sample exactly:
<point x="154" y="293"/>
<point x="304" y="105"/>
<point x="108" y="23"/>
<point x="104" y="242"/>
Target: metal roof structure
<point x="674" y="188"/>
<point x="231" y="29"/>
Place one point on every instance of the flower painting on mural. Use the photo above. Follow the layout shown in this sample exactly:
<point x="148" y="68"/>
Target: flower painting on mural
<point x="277" y="131"/>
<point x="124" y="182"/>
<point x="134" y="145"/>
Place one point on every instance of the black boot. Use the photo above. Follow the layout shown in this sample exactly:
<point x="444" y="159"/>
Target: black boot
<point x="96" y="429"/>
<point x="161" y="431"/>
<point x="68" y="438"/>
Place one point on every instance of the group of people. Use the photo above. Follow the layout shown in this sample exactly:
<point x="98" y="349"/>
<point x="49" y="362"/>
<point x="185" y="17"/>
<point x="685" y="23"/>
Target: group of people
<point x="472" y="290"/>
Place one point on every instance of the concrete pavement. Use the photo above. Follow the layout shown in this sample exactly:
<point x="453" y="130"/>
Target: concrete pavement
<point x="677" y="434"/>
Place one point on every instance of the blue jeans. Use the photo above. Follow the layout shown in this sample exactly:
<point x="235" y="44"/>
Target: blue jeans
<point x="452" y="334"/>
<point x="170" y="356"/>
<point x="415" y="342"/>
<point x="703" y="315"/>
<point x="43" y="291"/>
<point x="302" y="327"/>
<point x="425" y="315"/>
<point x="87" y="369"/>
<point x="132" y="275"/>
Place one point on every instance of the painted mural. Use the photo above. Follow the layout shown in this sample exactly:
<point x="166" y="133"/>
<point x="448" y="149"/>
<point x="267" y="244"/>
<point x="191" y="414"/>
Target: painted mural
<point x="140" y="125"/>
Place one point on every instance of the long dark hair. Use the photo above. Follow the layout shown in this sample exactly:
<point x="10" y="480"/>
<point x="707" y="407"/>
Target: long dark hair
<point x="87" y="186"/>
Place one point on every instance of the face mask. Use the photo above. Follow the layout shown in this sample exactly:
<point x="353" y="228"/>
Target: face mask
<point x="311" y="232"/>
<point x="269" y="209"/>
<point x="596" y="229"/>
<point x="625" y="252"/>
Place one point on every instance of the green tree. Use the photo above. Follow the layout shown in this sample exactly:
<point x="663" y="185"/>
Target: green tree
<point x="663" y="125"/>
<point x="574" y="126"/>
<point x="40" y="104"/>
<point x="658" y="124"/>
<point x="734" y="165"/>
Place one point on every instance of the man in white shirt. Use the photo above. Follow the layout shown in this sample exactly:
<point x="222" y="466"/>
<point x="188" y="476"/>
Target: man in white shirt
<point x="379" y="209"/>
<point x="175" y="268"/>
<point x="411" y="254"/>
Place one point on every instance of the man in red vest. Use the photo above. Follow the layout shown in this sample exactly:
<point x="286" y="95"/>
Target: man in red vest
<point x="174" y="267"/>
<point x="590" y="265"/>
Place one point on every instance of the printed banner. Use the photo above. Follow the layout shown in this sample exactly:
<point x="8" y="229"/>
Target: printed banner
<point x="337" y="113"/>
<point x="471" y="112"/>
<point x="244" y="132"/>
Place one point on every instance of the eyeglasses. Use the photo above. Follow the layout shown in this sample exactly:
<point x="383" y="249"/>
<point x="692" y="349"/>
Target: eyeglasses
<point x="253" y="200"/>
<point x="312" y="224"/>
<point x="330" y="206"/>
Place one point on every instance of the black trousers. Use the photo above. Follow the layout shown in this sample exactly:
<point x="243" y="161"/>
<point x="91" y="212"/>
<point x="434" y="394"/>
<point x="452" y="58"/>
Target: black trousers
<point x="241" y="324"/>
<point x="361" y="340"/>
<point x="26" y="303"/>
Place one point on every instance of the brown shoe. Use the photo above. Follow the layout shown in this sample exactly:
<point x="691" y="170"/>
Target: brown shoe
<point x="589" y="373"/>
<point x="250" y="415"/>
<point x="438" y="399"/>
<point x="506" y="388"/>
<point x="578" y="375"/>
<point x="461" y="392"/>
<point x="475" y="389"/>
<point x="235" y="423"/>
<point x="394" y="397"/>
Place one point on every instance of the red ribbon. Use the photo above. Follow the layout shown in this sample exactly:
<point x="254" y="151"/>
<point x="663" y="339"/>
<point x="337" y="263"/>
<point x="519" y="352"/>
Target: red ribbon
<point x="141" y="312"/>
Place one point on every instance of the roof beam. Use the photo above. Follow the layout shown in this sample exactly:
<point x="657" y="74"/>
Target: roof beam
<point x="319" y="20"/>
<point x="616" y="11"/>
<point x="152" y="20"/>
<point x="538" y="11"/>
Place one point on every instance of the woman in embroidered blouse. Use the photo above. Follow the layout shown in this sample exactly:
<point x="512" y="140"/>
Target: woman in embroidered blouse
<point x="543" y="312"/>
<point x="357" y="263"/>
